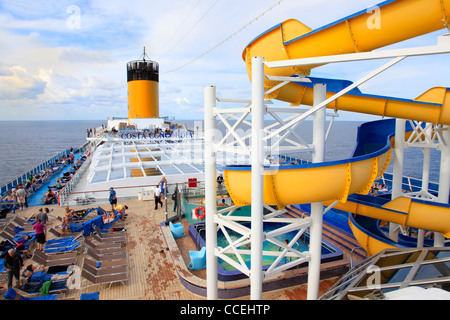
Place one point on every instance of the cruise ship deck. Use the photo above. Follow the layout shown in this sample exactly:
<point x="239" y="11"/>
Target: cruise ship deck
<point x="154" y="271"/>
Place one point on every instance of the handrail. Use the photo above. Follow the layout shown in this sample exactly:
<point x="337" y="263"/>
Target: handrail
<point x="351" y="254"/>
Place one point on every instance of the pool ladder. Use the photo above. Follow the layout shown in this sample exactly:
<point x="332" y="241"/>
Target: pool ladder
<point x="199" y="228"/>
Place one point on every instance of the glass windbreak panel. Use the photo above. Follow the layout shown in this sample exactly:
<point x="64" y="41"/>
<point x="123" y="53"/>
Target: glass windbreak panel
<point x="433" y="270"/>
<point x="438" y="254"/>
<point x="99" y="176"/>
<point x="398" y="259"/>
<point x="103" y="162"/>
<point x="116" y="174"/>
<point x="397" y="275"/>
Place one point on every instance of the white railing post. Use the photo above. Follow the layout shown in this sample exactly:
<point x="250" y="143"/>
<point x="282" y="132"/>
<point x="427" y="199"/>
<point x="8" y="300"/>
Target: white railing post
<point x="210" y="193"/>
<point x="315" y="243"/>
<point x="257" y="160"/>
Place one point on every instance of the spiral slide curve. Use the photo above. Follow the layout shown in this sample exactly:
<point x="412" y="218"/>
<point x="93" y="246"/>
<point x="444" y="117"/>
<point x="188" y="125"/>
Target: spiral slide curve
<point x="299" y="184"/>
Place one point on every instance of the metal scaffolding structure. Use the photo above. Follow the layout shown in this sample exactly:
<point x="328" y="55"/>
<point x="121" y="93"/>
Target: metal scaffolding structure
<point x="262" y="146"/>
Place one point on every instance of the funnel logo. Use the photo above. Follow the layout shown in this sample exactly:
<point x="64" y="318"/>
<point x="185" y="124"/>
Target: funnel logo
<point x="374" y="20"/>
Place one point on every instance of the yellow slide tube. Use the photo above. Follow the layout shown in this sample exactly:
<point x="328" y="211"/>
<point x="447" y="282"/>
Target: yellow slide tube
<point x="405" y="211"/>
<point x="311" y="183"/>
<point x="388" y="23"/>
<point x="398" y="20"/>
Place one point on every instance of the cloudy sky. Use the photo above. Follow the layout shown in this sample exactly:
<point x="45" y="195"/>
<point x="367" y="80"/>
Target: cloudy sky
<point x="66" y="59"/>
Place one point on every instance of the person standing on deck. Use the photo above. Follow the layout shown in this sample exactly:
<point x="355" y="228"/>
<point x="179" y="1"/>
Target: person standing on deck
<point x="39" y="230"/>
<point x="13" y="262"/>
<point x="21" y="195"/>
<point x="157" y="194"/>
<point x="175" y="198"/>
<point x="112" y="198"/>
<point x="163" y="184"/>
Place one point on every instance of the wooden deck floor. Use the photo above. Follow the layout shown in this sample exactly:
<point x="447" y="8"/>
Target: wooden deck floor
<point x="152" y="275"/>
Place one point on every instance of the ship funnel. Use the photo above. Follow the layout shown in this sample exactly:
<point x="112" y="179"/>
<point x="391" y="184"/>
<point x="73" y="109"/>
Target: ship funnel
<point x="143" y="88"/>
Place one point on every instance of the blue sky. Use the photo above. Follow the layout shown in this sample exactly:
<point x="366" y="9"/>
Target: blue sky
<point x="66" y="59"/>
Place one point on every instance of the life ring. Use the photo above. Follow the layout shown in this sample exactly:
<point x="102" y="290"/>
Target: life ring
<point x="59" y="201"/>
<point x="196" y="212"/>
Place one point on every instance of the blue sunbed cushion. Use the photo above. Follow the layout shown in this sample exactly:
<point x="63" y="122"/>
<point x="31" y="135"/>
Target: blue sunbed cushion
<point x="10" y="294"/>
<point x="90" y="296"/>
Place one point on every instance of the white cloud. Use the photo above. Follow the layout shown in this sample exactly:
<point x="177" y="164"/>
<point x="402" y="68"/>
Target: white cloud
<point x="81" y="74"/>
<point x="17" y="84"/>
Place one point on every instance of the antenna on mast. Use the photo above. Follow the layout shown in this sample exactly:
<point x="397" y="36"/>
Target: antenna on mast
<point x="144" y="55"/>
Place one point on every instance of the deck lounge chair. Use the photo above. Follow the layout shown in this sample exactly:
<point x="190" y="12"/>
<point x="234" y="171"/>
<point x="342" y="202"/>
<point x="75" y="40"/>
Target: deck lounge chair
<point x="42" y="283"/>
<point x="59" y="234"/>
<point x="105" y="247"/>
<point x="61" y="245"/>
<point x="177" y="229"/>
<point x="22" y="222"/>
<point x="118" y="223"/>
<point x="105" y="272"/>
<point x="17" y="294"/>
<point x="14" y="229"/>
<point x="121" y="235"/>
<point x="65" y="259"/>
<point x="198" y="259"/>
<point x="101" y="239"/>
<point x="107" y="256"/>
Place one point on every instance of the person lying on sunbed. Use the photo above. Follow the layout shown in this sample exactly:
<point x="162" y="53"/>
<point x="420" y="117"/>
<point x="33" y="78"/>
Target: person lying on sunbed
<point x="37" y="273"/>
<point x="108" y="217"/>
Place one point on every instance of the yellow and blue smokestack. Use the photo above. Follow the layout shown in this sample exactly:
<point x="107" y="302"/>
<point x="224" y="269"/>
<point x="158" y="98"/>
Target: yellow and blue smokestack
<point x="143" y="88"/>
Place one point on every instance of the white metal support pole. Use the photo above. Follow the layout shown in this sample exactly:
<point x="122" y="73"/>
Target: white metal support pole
<point x="210" y="193"/>
<point x="257" y="161"/>
<point x="315" y="245"/>
<point x="444" y="178"/>
<point x="425" y="185"/>
<point x="399" y="157"/>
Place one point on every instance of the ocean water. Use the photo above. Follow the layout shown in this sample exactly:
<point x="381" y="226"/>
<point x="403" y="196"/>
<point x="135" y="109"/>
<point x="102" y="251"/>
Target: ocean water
<point x="26" y="144"/>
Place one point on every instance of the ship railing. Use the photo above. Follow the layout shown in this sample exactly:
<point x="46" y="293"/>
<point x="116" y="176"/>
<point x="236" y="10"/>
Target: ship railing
<point x="72" y="182"/>
<point x="22" y="178"/>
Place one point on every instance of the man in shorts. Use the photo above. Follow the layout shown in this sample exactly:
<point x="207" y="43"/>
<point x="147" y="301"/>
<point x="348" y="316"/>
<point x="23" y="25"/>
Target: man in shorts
<point x="112" y="198"/>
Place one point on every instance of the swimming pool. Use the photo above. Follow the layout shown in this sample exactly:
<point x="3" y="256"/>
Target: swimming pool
<point x="226" y="272"/>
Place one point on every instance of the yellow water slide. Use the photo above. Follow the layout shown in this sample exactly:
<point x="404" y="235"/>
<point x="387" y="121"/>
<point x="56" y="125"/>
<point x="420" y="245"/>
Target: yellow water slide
<point x="336" y="180"/>
<point x="387" y="23"/>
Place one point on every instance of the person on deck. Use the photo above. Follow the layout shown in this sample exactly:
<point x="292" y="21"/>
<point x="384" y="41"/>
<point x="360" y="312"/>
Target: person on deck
<point x="13" y="263"/>
<point x="163" y="184"/>
<point x="157" y="195"/>
<point x="112" y="198"/>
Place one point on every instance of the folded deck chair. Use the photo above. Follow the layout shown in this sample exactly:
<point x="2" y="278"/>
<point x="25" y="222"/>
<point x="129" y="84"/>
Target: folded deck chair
<point x="105" y="273"/>
<point x="177" y="229"/>
<point x="64" y="259"/>
<point x="106" y="249"/>
<point x="100" y="239"/>
<point x="22" y="222"/>
<point x="107" y="256"/>
<point x="101" y="246"/>
<point x="198" y="259"/>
